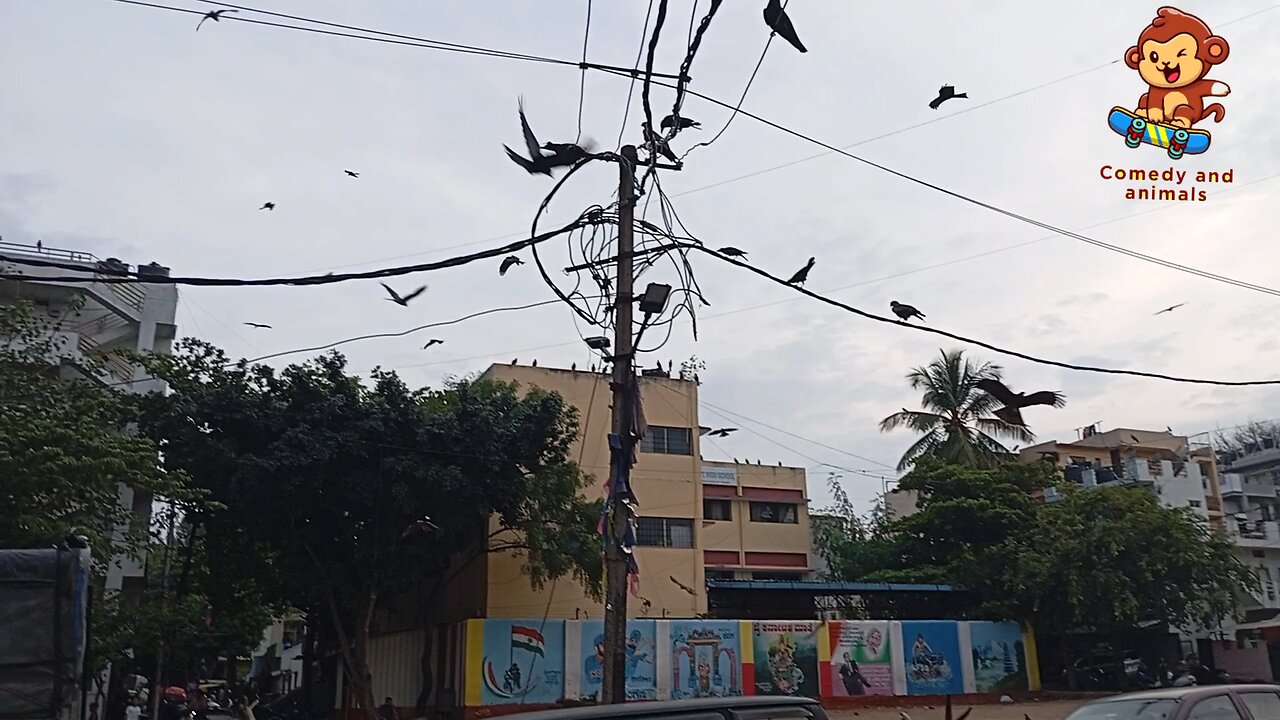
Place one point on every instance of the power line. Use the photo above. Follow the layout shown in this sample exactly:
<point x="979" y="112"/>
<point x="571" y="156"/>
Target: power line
<point x="979" y="343"/>
<point x="988" y="206"/>
<point x="129" y="277"/>
<point x="582" y="81"/>
<point x="626" y="111"/>
<point x="798" y="437"/>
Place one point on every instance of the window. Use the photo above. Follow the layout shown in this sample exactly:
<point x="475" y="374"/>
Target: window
<point x="716" y="509"/>
<point x="1262" y="704"/>
<point x="776" y="576"/>
<point x="1194" y="503"/>
<point x="773" y="512"/>
<point x="1218" y="707"/>
<point x="664" y="532"/>
<point x="721" y="575"/>
<point x="667" y="440"/>
<point x="1079" y="460"/>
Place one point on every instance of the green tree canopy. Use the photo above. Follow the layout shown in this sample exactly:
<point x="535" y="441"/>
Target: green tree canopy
<point x="326" y="481"/>
<point x="956" y="424"/>
<point x="64" y="447"/>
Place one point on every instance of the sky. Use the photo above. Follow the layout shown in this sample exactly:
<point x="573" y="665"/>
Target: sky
<point x="126" y="134"/>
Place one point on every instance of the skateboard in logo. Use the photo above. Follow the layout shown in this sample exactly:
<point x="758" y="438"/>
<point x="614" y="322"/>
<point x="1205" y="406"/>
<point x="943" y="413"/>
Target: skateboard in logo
<point x="1178" y="141"/>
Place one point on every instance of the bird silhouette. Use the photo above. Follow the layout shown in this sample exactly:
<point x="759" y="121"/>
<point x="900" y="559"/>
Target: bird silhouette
<point x="515" y="360"/>
<point x="537" y="163"/>
<point x="258" y="325"/>
<point x="214" y="15"/>
<point x="1013" y="402"/>
<point x="573" y="367"/>
<point x="802" y="274"/>
<point x="1171" y="308"/>
<point x="569" y="153"/>
<point x="268" y="206"/>
<point x="945" y="93"/>
<point x="433" y="341"/>
<point x="776" y="18"/>
<point x="402" y="300"/>
<point x="507" y="263"/>
<point x="903" y="311"/>
<point x="731" y="251"/>
<point x="352" y="173"/>
<point x="39" y="246"/>
<point x="658" y="144"/>
<point x="534" y="363"/>
<point x="722" y="432"/>
<point x="669" y="121"/>
<point x="1134" y="438"/>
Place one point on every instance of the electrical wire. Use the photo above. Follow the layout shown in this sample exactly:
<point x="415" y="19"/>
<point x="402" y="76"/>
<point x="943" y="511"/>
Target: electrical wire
<point x="741" y="417"/>
<point x="626" y="112"/>
<point x="989" y="206"/>
<point x="582" y="80"/>
<point x="109" y="276"/>
<point x="980" y="343"/>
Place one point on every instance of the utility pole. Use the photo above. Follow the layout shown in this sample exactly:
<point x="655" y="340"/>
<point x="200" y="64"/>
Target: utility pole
<point x="613" y="687"/>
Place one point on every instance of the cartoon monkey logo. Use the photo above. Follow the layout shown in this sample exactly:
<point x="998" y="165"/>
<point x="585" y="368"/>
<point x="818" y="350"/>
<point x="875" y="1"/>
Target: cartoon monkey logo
<point x="1173" y="56"/>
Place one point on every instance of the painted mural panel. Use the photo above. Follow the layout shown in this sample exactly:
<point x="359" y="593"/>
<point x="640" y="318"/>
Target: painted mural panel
<point x="932" y="649"/>
<point x="786" y="658"/>
<point x="642" y="657"/>
<point x="706" y="658"/>
<point x="861" y="661"/>
<point x="523" y="662"/>
<point x="999" y="656"/>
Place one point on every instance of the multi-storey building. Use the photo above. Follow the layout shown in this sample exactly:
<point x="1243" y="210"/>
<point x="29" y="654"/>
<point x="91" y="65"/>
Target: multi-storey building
<point x="1250" y="503"/>
<point x="94" y="318"/>
<point x="699" y="519"/>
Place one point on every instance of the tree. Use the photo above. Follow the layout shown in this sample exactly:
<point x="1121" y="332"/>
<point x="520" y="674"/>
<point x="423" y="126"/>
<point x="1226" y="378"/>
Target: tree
<point x="1252" y="437"/>
<point x="957" y="424"/>
<point x="64" y="447"/>
<point x="340" y="494"/>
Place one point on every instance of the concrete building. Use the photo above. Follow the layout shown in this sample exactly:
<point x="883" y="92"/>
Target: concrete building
<point x="94" y="318"/>
<point x="699" y="519"/>
<point x="1179" y="472"/>
<point x="1250" y="503"/>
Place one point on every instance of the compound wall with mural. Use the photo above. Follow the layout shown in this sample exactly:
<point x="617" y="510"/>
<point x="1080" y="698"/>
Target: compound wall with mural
<point x="536" y="662"/>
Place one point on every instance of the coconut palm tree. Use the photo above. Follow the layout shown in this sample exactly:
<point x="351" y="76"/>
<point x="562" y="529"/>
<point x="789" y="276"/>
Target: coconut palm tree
<point x="956" y="423"/>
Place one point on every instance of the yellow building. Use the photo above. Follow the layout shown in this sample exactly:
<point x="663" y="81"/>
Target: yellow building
<point x="698" y="519"/>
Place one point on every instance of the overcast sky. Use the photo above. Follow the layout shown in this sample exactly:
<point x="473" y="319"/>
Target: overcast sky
<point x="126" y="134"/>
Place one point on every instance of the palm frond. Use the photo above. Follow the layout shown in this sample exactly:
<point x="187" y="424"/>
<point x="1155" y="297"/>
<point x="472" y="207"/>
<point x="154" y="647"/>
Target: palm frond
<point x="926" y="445"/>
<point x="995" y="427"/>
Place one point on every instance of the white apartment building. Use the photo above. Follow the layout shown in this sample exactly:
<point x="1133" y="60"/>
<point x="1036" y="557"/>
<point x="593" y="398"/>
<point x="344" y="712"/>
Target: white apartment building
<point x="135" y="316"/>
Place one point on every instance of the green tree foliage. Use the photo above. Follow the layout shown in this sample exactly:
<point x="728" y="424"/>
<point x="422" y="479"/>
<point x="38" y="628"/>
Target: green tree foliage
<point x="1107" y="559"/>
<point x="956" y="424"/>
<point x="64" y="447"/>
<point x="323" y="480"/>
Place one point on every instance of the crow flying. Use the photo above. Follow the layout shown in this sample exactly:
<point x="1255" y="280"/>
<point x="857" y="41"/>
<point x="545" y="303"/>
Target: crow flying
<point x="433" y="341"/>
<point x="903" y="311"/>
<point x="214" y="15"/>
<point x="509" y="262"/>
<point x="731" y="251"/>
<point x="802" y="274"/>
<point x="268" y="206"/>
<point x="258" y="325"/>
<point x="402" y="301"/>
<point x="722" y="432"/>
<point x="1013" y="402"/>
<point x="775" y="17"/>
<point x="352" y="173"/>
<point x="945" y="93"/>
<point x="1171" y="308"/>
<point x="538" y="163"/>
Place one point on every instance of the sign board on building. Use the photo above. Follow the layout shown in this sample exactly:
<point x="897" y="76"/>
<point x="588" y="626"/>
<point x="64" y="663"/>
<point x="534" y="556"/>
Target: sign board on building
<point x="719" y="476"/>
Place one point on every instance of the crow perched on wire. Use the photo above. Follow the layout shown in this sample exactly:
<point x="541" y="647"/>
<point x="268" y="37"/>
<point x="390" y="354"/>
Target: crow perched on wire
<point x="731" y="251"/>
<point x="903" y="311"/>
<point x="214" y="15"/>
<point x="802" y="274"/>
<point x="1013" y="402"/>
<point x="537" y="163"/>
<point x="685" y="123"/>
<point x="658" y="144"/>
<point x="945" y="93"/>
<point x="509" y="262"/>
<point x="776" y="18"/>
<point x="397" y="298"/>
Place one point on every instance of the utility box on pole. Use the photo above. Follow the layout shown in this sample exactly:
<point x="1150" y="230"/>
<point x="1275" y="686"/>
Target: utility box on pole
<point x="43" y="632"/>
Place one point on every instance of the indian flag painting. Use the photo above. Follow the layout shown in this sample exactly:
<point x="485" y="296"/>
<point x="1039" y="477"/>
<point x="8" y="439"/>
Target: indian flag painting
<point x="526" y="638"/>
<point x="523" y="662"/>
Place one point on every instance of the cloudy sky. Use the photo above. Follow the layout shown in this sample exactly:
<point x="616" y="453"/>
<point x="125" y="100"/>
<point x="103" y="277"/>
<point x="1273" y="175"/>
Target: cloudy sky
<point x="124" y="133"/>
